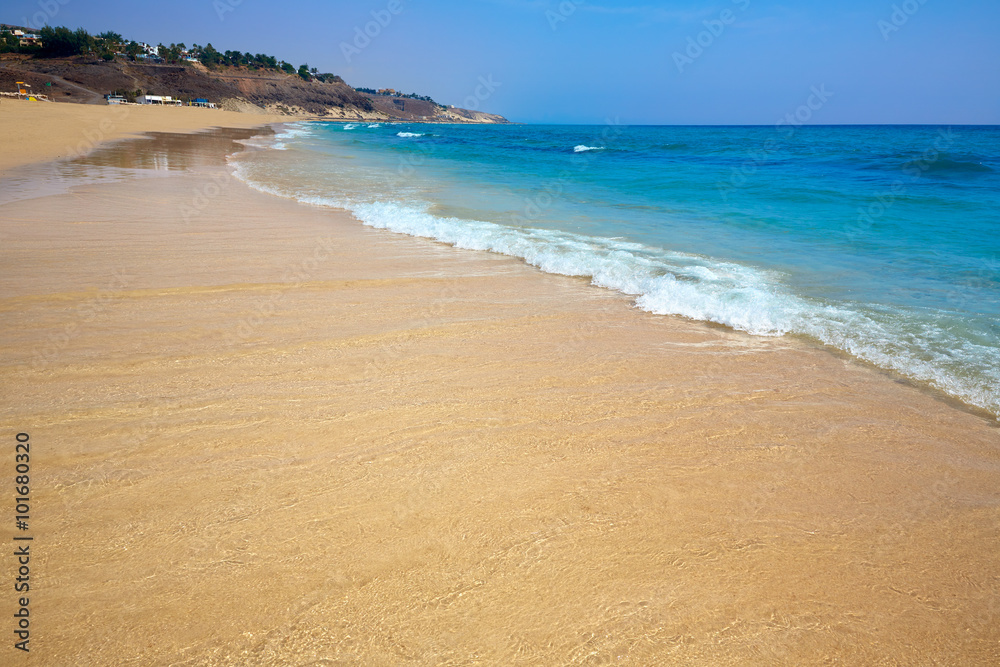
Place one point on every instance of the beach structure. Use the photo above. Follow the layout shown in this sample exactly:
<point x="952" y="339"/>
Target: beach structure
<point x="202" y="102"/>
<point x="165" y="100"/>
<point x="115" y="99"/>
<point x="24" y="93"/>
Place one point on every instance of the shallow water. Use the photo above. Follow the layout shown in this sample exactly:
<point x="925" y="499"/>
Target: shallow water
<point x="883" y="242"/>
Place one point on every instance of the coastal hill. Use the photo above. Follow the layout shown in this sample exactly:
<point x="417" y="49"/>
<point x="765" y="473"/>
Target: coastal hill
<point x="233" y="81"/>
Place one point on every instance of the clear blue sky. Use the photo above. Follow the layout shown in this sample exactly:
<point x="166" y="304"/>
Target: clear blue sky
<point x="932" y="61"/>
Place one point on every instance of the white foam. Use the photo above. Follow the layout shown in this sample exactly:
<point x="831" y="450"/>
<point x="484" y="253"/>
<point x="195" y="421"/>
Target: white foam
<point x="373" y="125"/>
<point x="408" y="134"/>
<point x="583" y="149"/>
<point x="350" y="126"/>
<point x="742" y="297"/>
<point x="289" y="132"/>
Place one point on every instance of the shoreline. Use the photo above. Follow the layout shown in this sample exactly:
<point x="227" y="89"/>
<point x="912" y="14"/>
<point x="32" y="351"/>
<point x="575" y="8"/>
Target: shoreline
<point x="932" y="387"/>
<point x="51" y="130"/>
<point x="924" y="387"/>
<point x="294" y="437"/>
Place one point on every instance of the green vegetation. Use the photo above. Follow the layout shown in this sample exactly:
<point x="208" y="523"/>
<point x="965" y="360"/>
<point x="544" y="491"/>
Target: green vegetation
<point x="209" y="57"/>
<point x="409" y="96"/>
<point x="327" y="77"/>
<point x="62" y="41"/>
<point x="132" y="50"/>
<point x="9" y="43"/>
<point x="172" y="54"/>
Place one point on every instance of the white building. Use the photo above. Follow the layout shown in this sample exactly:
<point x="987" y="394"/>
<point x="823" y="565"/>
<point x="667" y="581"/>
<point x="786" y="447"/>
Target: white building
<point x="158" y="99"/>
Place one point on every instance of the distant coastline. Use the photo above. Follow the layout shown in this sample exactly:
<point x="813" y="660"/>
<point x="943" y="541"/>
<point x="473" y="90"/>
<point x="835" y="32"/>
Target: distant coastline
<point x="61" y="65"/>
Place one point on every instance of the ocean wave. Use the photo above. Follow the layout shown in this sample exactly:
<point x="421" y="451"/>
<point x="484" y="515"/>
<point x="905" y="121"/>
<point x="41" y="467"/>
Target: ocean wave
<point x="373" y="125"/>
<point x="289" y="132"/>
<point x="945" y="166"/>
<point x="409" y="134"/>
<point x="350" y="126"/>
<point x="926" y="164"/>
<point x="583" y="149"/>
<point x="739" y="296"/>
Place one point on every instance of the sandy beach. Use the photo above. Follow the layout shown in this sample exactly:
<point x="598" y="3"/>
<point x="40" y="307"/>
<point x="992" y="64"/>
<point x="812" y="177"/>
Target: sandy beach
<point x="262" y="433"/>
<point x="35" y="132"/>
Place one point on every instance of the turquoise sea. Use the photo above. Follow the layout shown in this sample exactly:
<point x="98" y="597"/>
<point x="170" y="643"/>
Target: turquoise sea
<point x="880" y="241"/>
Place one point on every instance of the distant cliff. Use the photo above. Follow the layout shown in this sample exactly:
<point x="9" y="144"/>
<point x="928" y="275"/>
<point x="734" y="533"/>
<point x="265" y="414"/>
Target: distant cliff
<point x="405" y="108"/>
<point x="87" y="79"/>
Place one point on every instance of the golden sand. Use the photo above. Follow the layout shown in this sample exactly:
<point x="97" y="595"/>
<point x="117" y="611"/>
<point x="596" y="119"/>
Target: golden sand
<point x="34" y="131"/>
<point x="268" y="435"/>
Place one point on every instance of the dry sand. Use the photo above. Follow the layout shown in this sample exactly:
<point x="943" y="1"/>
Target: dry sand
<point x="267" y="435"/>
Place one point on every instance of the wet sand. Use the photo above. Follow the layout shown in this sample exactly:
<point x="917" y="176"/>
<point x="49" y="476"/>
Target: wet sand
<point x="35" y="131"/>
<point x="265" y="434"/>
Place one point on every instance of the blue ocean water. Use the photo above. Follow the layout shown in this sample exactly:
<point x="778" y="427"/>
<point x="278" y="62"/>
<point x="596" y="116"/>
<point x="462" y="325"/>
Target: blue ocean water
<point x="883" y="242"/>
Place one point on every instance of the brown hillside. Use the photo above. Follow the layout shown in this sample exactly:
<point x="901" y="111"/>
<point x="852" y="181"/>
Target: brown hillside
<point x="79" y="74"/>
<point x="84" y="79"/>
<point x="405" y="108"/>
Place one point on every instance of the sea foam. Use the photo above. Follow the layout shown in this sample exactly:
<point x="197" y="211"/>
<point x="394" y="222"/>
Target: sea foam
<point x="929" y="348"/>
<point x="741" y="297"/>
<point x="289" y="132"/>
